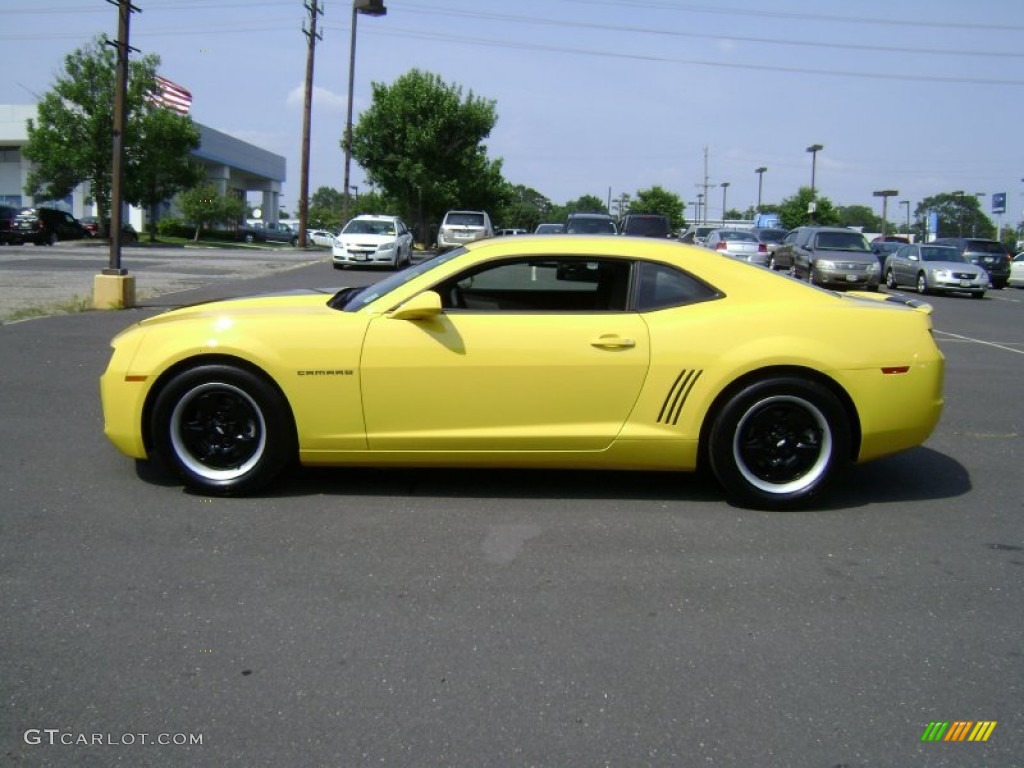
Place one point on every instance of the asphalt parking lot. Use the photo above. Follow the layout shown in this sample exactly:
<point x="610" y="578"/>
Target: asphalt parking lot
<point x="470" y="618"/>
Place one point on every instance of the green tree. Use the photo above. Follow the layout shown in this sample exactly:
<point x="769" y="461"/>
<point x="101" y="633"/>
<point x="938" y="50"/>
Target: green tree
<point x="661" y="201"/>
<point x="859" y="216"/>
<point x="159" y="161"/>
<point x="71" y="139"/>
<point x="793" y="210"/>
<point x="421" y="142"/>
<point x="203" y="207"/>
<point x="959" y="215"/>
<point x="325" y="207"/>
<point x="524" y="208"/>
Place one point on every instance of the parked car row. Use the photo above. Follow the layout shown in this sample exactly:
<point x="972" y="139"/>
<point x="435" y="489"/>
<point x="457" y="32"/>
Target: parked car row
<point x="839" y="257"/>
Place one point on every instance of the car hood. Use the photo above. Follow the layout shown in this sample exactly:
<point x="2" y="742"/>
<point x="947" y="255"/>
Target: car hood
<point x="296" y="302"/>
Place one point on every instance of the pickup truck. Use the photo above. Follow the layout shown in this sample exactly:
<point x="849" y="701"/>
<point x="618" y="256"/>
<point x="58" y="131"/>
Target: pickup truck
<point x="267" y="232"/>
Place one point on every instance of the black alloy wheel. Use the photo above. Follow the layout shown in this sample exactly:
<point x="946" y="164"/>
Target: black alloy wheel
<point x="777" y="442"/>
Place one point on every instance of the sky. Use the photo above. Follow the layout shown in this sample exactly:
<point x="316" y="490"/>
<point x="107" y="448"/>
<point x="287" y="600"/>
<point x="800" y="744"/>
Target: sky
<point x="607" y="97"/>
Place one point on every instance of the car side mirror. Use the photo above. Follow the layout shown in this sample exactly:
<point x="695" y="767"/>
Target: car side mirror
<point x="422" y="306"/>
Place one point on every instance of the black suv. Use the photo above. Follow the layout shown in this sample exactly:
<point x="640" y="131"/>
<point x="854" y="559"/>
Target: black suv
<point x="645" y="225"/>
<point x="7" y="216"/>
<point x="46" y="226"/>
<point x="991" y="255"/>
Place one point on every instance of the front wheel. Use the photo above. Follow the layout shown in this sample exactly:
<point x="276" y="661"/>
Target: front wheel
<point x="922" y="284"/>
<point x="890" y="279"/>
<point x="225" y="430"/>
<point x="778" y="442"/>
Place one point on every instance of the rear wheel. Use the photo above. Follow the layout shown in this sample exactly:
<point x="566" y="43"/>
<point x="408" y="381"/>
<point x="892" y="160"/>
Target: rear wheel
<point x="890" y="279"/>
<point x="225" y="430"/>
<point x="778" y="442"/>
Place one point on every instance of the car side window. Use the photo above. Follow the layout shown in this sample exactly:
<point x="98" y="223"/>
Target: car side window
<point x="540" y="284"/>
<point x="660" y="286"/>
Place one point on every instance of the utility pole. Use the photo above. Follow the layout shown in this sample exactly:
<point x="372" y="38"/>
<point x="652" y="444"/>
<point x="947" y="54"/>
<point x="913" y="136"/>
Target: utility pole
<point x="312" y="36"/>
<point x="113" y="287"/>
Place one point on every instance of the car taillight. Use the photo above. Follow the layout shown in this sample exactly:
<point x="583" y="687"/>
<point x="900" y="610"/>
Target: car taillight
<point x="762" y="248"/>
<point x="720" y="245"/>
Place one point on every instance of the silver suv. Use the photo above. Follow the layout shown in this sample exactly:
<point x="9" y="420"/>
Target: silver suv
<point x="833" y="257"/>
<point x="461" y="227"/>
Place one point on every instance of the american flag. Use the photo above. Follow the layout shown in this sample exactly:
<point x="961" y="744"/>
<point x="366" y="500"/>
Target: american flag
<point x="171" y="96"/>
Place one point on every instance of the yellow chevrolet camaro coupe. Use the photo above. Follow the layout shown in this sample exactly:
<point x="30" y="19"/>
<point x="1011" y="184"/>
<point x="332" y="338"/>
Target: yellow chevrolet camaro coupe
<point x="556" y="351"/>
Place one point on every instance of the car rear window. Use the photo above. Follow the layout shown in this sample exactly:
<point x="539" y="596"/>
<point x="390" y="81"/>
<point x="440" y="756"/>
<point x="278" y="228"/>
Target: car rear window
<point x="985" y="246"/>
<point x="465" y="219"/>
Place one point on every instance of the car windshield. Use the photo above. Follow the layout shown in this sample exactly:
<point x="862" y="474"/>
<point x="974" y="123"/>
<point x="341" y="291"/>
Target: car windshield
<point x="841" y="241"/>
<point x="464" y="220"/>
<point x="354" y="299"/>
<point x="939" y="253"/>
<point x="368" y="227"/>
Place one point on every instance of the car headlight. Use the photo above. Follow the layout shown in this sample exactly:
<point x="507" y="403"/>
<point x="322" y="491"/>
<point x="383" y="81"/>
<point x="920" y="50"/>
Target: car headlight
<point x="384" y="247"/>
<point x="825" y="264"/>
<point x="940" y="274"/>
<point x="873" y="268"/>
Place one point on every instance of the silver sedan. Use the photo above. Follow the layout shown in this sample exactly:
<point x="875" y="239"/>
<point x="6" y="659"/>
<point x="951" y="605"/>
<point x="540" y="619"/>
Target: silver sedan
<point x="934" y="268"/>
<point x="739" y="244"/>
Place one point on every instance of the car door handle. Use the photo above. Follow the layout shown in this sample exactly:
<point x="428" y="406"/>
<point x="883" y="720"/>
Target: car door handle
<point x="612" y="341"/>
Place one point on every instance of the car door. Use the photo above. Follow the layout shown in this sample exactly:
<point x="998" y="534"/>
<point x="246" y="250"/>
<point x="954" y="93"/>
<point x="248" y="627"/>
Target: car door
<point x="904" y="264"/>
<point x="528" y="355"/>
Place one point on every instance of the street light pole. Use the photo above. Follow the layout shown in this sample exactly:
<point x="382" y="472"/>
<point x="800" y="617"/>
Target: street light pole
<point x="907" y="204"/>
<point x="885" y="194"/>
<point x="760" y="178"/>
<point x="725" y="188"/>
<point x="814" y="149"/>
<point x="370" y="8"/>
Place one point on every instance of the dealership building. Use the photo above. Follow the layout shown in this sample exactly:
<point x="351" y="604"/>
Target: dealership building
<point x="234" y="166"/>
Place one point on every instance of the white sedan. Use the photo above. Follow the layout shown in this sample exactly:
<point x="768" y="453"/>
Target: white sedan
<point x="321" y="237"/>
<point x="372" y="240"/>
<point x="1017" y="272"/>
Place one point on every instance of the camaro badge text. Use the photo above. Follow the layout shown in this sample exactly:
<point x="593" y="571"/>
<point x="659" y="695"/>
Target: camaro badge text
<point x="325" y="372"/>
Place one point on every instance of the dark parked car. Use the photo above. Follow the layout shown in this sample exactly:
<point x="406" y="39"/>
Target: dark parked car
<point x="268" y="232"/>
<point x="46" y="226"/>
<point x="645" y="225"/>
<point x="590" y="224"/>
<point x="833" y="257"/>
<point x="92" y="226"/>
<point x="990" y="254"/>
<point x="7" y="216"/>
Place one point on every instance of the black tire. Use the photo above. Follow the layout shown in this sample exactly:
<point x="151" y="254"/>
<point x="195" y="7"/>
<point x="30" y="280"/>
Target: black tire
<point x="250" y="239"/>
<point x="978" y="295"/>
<point x="225" y="430"/>
<point x="922" y="284"/>
<point x="890" y="280"/>
<point x="778" y="442"/>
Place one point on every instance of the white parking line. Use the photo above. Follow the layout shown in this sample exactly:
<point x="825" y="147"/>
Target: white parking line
<point x="958" y="337"/>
